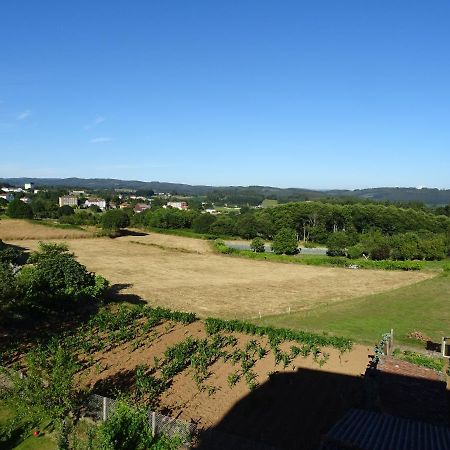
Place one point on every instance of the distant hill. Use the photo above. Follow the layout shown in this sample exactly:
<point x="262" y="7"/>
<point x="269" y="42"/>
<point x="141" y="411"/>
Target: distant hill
<point x="398" y="194"/>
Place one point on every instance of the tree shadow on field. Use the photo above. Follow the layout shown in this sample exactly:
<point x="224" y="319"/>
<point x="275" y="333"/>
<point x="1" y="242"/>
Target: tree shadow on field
<point x="128" y="232"/>
<point x="120" y="382"/>
<point x="115" y="295"/>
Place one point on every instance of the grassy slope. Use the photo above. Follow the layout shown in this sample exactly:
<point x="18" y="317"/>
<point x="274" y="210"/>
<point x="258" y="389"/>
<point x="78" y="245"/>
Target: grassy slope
<point x="424" y="306"/>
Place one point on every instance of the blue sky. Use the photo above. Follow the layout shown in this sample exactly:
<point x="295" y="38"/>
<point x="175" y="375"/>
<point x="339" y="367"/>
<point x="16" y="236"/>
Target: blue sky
<point x="318" y="94"/>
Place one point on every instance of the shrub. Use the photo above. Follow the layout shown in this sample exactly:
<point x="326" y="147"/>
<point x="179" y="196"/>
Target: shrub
<point x="257" y="245"/>
<point x="337" y="243"/>
<point x="59" y="277"/>
<point x="355" y="251"/>
<point x="380" y="251"/>
<point x="285" y="242"/>
<point x="126" y="429"/>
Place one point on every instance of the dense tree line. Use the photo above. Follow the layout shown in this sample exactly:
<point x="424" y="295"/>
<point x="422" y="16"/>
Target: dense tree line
<point x="352" y="229"/>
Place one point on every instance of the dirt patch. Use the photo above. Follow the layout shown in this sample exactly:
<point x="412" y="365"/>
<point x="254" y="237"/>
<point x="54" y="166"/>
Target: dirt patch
<point x="12" y="229"/>
<point x="302" y="388"/>
<point x="217" y="285"/>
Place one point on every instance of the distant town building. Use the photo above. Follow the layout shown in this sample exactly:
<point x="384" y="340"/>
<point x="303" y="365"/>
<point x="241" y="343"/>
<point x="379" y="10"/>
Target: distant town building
<point x="26" y="200"/>
<point x="69" y="200"/>
<point x="7" y="196"/>
<point x="141" y="207"/>
<point x="5" y="189"/>
<point x="100" y="202"/>
<point x="77" y="193"/>
<point x="28" y="186"/>
<point x="124" y="205"/>
<point x="177" y="205"/>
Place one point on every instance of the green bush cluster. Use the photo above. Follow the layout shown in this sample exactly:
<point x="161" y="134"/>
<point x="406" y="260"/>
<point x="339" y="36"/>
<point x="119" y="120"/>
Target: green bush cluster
<point x="53" y="279"/>
<point x="420" y="360"/>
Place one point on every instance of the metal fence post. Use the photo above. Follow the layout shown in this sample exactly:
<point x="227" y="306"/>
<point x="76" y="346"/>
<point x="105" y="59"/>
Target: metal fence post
<point x="153" y="423"/>
<point x="104" y="408"/>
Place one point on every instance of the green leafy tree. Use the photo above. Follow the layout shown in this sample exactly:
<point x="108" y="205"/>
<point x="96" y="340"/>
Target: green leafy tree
<point x="337" y="244"/>
<point x="285" y="242"/>
<point x="48" y="390"/>
<point x="19" y="210"/>
<point x="247" y="226"/>
<point x="224" y="226"/>
<point x="257" y="245"/>
<point x="203" y="222"/>
<point x="114" y="220"/>
<point x="56" y="275"/>
<point x="65" y="210"/>
<point x="95" y="208"/>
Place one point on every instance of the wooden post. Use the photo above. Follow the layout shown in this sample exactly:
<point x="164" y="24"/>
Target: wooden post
<point x="153" y="424"/>
<point x="391" y="346"/>
<point x="104" y="408"/>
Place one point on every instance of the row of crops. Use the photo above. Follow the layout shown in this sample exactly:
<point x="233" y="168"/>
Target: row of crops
<point x="224" y="342"/>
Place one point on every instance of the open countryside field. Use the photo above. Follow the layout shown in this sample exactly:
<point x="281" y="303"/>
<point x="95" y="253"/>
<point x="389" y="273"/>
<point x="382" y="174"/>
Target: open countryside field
<point x="14" y="229"/>
<point x="185" y="274"/>
<point x="422" y="308"/>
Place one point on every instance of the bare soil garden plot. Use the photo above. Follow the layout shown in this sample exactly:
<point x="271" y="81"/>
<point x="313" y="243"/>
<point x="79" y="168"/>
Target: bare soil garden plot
<point x="184" y="274"/>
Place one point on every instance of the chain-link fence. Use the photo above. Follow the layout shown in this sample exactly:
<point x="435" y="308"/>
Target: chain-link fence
<point x="161" y="424"/>
<point x="100" y="408"/>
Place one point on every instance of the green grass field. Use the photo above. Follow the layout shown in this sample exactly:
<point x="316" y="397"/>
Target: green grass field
<point x="16" y="441"/>
<point x="423" y="307"/>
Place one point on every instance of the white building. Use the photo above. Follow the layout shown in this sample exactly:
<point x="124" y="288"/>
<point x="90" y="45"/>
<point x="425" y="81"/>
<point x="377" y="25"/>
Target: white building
<point x="5" y="189"/>
<point x="177" y="205"/>
<point x="28" y="186"/>
<point x="101" y="203"/>
<point x="7" y="196"/>
<point x="69" y="200"/>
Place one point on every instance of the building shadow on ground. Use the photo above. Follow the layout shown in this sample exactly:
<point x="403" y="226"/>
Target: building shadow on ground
<point x="289" y="411"/>
<point x="296" y="410"/>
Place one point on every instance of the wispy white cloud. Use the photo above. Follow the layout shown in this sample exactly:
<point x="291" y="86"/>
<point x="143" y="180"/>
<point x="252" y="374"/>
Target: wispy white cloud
<point x="24" y="115"/>
<point x="100" y="140"/>
<point x="97" y="121"/>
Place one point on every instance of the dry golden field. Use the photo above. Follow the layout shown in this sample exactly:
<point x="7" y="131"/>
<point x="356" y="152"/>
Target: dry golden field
<point x="184" y="274"/>
<point x="14" y="229"/>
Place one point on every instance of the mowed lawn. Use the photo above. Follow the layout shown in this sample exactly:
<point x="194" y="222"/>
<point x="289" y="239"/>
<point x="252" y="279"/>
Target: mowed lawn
<point x="16" y="441"/>
<point x="423" y="307"/>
